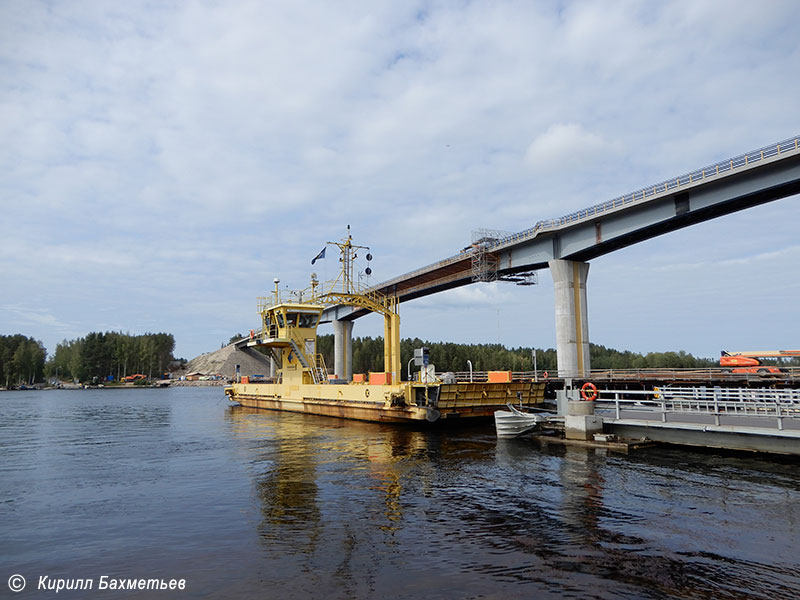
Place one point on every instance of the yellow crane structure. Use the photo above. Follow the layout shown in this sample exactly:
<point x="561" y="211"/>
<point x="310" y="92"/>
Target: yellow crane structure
<point x="345" y="291"/>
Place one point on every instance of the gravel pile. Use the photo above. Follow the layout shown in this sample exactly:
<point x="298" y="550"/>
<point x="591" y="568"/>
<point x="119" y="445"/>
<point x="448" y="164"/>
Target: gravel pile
<point x="224" y="362"/>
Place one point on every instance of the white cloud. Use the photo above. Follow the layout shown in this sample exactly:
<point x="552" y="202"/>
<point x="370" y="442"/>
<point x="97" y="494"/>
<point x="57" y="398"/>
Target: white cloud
<point x="473" y="296"/>
<point x="199" y="144"/>
<point x="567" y="147"/>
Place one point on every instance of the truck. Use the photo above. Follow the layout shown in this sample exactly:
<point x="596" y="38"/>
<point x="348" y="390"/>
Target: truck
<point x="746" y="361"/>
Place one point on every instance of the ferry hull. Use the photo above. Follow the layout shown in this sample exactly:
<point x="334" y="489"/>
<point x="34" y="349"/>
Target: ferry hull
<point x="343" y="410"/>
<point x="401" y="403"/>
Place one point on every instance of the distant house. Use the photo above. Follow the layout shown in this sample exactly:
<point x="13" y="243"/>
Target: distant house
<point x="196" y="376"/>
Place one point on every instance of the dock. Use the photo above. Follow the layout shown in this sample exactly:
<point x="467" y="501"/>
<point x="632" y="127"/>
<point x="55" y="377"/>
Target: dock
<point x="757" y="419"/>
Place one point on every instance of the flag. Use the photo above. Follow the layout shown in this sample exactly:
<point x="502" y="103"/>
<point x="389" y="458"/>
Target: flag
<point x="318" y="256"/>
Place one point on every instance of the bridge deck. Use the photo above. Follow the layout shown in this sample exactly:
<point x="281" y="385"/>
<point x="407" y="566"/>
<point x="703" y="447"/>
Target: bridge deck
<point x="752" y="178"/>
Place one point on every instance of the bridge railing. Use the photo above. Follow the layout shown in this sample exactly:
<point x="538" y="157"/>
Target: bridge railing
<point x="790" y="145"/>
<point x="731" y="164"/>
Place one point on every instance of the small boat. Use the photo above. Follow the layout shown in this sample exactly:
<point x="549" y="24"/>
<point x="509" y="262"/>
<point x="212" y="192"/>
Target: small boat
<point x="515" y="422"/>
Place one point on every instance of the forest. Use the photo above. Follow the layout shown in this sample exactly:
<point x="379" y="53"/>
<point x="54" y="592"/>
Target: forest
<point x="448" y="356"/>
<point x="21" y="360"/>
<point x="100" y="356"/>
<point x="95" y="357"/>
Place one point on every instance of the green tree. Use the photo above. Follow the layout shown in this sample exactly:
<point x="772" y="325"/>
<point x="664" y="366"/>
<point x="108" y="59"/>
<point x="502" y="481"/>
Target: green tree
<point x="21" y="360"/>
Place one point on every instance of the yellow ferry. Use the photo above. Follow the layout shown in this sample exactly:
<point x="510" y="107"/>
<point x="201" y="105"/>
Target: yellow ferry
<point x="302" y="384"/>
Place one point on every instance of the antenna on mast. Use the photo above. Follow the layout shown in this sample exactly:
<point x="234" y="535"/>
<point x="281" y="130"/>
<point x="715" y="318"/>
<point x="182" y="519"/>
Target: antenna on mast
<point x="347" y="251"/>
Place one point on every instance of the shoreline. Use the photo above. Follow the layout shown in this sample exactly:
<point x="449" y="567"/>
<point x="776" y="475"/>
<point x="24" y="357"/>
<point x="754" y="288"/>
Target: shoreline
<point x="166" y="383"/>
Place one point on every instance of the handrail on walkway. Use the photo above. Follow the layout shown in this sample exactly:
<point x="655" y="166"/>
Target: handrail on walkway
<point x="716" y="401"/>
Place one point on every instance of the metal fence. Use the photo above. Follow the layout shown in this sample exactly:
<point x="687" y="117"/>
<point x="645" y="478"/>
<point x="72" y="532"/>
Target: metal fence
<point x="710" y="374"/>
<point x="483" y="376"/>
<point x="716" y="401"/>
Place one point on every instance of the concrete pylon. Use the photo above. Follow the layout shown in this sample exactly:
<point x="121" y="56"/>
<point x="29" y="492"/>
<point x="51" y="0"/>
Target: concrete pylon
<point x="343" y="349"/>
<point x="572" y="322"/>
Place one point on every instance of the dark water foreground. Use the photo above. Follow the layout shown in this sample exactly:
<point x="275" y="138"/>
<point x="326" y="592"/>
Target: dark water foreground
<point x="173" y="484"/>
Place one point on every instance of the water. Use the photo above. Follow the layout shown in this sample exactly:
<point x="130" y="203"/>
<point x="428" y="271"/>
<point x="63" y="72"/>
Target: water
<point x="255" y="504"/>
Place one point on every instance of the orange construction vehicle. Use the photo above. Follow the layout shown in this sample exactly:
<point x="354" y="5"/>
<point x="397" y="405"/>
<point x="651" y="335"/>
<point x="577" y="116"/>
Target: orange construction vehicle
<point x="132" y="378"/>
<point x="747" y="361"/>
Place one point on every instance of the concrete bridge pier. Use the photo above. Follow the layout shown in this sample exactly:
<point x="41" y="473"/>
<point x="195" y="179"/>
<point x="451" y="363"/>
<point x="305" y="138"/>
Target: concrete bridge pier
<point x="572" y="323"/>
<point x="343" y="349"/>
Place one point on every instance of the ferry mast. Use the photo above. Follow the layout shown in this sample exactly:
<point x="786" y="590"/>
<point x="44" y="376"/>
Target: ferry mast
<point x="345" y="291"/>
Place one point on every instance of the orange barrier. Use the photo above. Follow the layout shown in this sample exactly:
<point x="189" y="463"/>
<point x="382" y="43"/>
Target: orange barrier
<point x="499" y="376"/>
<point x="380" y="378"/>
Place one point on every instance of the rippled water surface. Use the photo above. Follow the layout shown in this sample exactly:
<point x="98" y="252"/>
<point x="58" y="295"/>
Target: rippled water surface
<point x="255" y="504"/>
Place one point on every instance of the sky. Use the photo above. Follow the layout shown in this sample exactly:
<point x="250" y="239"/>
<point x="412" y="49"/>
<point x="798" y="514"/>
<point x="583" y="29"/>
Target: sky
<point x="163" y="162"/>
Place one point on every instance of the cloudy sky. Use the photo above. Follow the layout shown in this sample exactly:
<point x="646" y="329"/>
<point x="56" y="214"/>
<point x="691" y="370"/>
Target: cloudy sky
<point x="162" y="162"/>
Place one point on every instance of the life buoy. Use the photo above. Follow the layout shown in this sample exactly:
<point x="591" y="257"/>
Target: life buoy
<point x="545" y="375"/>
<point x="252" y="333"/>
<point x="589" y="391"/>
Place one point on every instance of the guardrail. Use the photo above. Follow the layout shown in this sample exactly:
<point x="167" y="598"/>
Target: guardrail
<point x="790" y="145"/>
<point x="483" y="376"/>
<point x="735" y="395"/>
<point x="683" y="374"/>
<point x="711" y="374"/>
<point x="715" y="401"/>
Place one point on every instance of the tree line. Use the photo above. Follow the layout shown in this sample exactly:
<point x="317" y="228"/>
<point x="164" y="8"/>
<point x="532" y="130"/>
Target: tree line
<point x="448" y="356"/>
<point x="103" y="356"/>
<point x="21" y="360"/>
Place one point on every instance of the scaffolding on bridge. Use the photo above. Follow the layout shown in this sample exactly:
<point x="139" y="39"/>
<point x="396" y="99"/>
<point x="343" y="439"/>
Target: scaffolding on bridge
<point x="485" y="264"/>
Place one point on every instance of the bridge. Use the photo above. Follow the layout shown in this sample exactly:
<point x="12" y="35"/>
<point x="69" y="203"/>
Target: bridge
<point x="566" y="244"/>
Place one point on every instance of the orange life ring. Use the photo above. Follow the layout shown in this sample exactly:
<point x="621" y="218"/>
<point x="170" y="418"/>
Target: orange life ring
<point x="252" y="333"/>
<point x="545" y="375"/>
<point x="592" y="391"/>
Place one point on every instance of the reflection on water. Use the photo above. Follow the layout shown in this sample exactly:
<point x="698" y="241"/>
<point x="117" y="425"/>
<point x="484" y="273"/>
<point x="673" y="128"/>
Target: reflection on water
<point x="247" y="504"/>
<point x="460" y="514"/>
<point x="292" y="457"/>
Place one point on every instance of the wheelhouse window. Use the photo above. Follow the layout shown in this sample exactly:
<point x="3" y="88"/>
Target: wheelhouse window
<point x="308" y="320"/>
